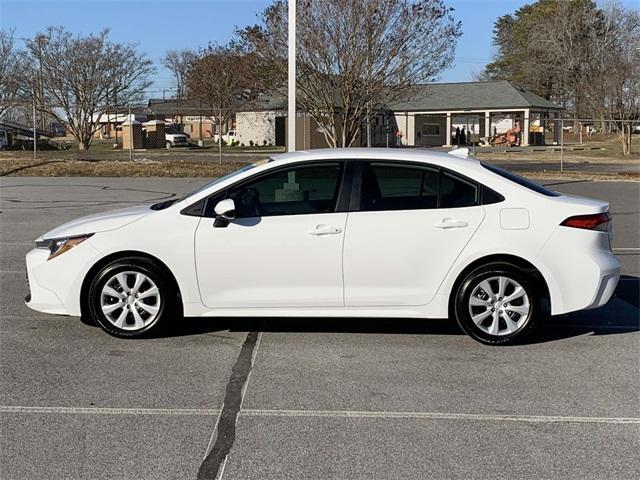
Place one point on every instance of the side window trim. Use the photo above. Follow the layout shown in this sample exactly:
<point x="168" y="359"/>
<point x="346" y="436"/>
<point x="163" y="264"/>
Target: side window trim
<point x="356" y="185"/>
<point x="343" y="184"/>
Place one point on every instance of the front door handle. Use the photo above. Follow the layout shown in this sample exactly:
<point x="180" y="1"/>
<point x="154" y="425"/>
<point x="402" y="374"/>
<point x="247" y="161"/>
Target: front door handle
<point x="451" y="223"/>
<point x="325" y="230"/>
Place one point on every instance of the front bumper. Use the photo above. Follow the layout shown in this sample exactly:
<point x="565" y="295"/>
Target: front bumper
<point x="41" y="298"/>
<point x="55" y="285"/>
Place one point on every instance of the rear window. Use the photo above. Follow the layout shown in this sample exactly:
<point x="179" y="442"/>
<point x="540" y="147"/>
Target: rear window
<point x="520" y="180"/>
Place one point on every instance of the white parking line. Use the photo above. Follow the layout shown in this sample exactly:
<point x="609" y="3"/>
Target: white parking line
<point x="438" y="416"/>
<point x="250" y="412"/>
<point x="108" y="411"/>
<point x="626" y="249"/>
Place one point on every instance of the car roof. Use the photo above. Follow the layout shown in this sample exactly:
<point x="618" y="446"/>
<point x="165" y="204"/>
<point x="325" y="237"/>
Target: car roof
<point x="386" y="154"/>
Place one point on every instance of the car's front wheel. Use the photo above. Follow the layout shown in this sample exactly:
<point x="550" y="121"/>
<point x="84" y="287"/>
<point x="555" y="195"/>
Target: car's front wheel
<point x="497" y="304"/>
<point x="168" y="144"/>
<point x="130" y="297"/>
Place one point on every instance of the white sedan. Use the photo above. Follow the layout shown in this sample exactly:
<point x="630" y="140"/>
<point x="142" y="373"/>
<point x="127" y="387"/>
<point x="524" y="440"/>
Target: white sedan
<point x="336" y="233"/>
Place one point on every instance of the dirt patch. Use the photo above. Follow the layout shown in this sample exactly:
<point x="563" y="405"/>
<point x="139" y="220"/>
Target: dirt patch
<point x="580" y="176"/>
<point x="114" y="168"/>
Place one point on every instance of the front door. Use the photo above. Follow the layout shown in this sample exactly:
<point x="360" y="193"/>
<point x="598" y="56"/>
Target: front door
<point x="284" y="249"/>
<point x="412" y="223"/>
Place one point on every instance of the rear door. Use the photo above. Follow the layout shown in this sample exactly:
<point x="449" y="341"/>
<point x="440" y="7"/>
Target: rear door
<point x="407" y="225"/>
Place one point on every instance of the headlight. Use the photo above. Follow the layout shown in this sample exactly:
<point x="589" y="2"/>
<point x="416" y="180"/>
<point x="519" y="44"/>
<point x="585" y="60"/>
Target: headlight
<point x="57" y="246"/>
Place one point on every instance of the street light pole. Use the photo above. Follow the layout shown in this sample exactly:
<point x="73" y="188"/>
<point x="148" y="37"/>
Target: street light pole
<point x="35" y="131"/>
<point x="291" y="130"/>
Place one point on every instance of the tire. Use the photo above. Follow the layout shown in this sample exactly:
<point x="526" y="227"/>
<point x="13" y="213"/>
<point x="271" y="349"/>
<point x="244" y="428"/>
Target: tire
<point x="515" y="318"/>
<point x="168" y="144"/>
<point x="115" y="307"/>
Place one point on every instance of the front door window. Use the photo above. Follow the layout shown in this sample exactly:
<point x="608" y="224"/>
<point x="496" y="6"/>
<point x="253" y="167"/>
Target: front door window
<point x="297" y="190"/>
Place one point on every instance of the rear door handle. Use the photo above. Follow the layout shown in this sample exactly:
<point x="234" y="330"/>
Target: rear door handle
<point x="325" y="230"/>
<point x="451" y="223"/>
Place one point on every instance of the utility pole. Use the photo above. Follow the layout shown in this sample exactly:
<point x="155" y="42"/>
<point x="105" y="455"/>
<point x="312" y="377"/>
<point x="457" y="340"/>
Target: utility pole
<point x="35" y="131"/>
<point x="40" y="39"/>
<point x="130" y="137"/>
<point x="115" y="107"/>
<point x="369" y="34"/>
<point x="291" y="130"/>
<point x="220" y="135"/>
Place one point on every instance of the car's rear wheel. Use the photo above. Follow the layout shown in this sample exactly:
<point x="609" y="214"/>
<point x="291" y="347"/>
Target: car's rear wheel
<point x="497" y="304"/>
<point x="131" y="297"/>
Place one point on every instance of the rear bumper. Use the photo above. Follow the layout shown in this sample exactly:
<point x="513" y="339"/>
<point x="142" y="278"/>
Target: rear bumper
<point x="580" y="270"/>
<point x="609" y="273"/>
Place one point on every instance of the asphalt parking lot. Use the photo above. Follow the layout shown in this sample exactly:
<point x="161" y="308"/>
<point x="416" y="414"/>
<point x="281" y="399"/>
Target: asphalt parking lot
<point x="300" y="398"/>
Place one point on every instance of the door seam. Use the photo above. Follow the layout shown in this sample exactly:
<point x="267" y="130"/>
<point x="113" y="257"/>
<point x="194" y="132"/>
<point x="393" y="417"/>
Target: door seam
<point x="344" y="239"/>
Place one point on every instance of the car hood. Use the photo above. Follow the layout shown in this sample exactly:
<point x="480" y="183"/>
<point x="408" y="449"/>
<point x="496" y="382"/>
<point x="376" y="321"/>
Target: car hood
<point x="99" y="222"/>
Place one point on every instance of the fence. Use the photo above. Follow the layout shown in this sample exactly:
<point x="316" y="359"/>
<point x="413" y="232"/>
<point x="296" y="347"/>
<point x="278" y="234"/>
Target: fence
<point x="555" y="142"/>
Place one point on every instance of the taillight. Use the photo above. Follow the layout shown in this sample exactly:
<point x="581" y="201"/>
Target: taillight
<point x="597" y="221"/>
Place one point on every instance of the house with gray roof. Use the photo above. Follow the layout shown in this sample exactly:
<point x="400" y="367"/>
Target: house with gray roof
<point x="428" y="115"/>
<point x="431" y="114"/>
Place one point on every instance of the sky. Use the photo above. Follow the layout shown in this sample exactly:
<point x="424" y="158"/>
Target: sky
<point x="159" y="25"/>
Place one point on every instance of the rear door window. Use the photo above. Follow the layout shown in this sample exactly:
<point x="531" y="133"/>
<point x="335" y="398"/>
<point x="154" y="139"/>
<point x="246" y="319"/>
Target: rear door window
<point x="387" y="186"/>
<point x="393" y="187"/>
<point x="456" y="192"/>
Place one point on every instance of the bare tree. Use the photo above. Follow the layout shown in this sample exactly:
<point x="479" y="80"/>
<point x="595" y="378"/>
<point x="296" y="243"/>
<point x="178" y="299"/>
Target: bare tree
<point x="11" y="71"/>
<point x="179" y="62"/>
<point x="220" y="80"/>
<point x="355" y="56"/>
<point x="616" y="86"/>
<point x="79" y="75"/>
<point x="546" y="46"/>
<point x="575" y="52"/>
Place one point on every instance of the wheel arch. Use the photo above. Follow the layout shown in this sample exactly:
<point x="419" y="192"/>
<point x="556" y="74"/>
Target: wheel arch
<point x="86" y="282"/>
<point x="515" y="260"/>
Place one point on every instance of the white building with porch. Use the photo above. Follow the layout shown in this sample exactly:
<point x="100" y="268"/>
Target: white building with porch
<point x="432" y="114"/>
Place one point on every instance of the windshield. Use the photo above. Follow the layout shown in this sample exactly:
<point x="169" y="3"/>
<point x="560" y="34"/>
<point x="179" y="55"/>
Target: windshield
<point x="167" y="203"/>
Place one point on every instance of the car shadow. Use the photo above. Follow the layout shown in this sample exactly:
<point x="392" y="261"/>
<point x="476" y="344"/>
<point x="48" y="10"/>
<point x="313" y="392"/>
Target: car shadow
<point x="621" y="315"/>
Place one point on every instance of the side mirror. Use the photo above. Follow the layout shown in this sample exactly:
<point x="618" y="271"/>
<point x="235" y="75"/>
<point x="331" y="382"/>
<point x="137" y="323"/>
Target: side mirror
<point x="225" y="211"/>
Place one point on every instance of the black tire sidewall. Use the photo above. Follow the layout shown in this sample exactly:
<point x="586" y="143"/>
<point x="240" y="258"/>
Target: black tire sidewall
<point x="136" y="265"/>
<point x="463" y="316"/>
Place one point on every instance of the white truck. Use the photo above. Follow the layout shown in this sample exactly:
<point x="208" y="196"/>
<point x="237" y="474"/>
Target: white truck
<point x="228" y="139"/>
<point x="176" y="140"/>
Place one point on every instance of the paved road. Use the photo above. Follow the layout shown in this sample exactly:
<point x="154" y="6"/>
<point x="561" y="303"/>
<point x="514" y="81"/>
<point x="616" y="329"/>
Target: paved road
<point x="312" y="398"/>
<point x="553" y="167"/>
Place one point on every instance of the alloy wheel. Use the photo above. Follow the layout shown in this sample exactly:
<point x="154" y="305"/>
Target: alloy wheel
<point x="130" y="300"/>
<point x="499" y="306"/>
